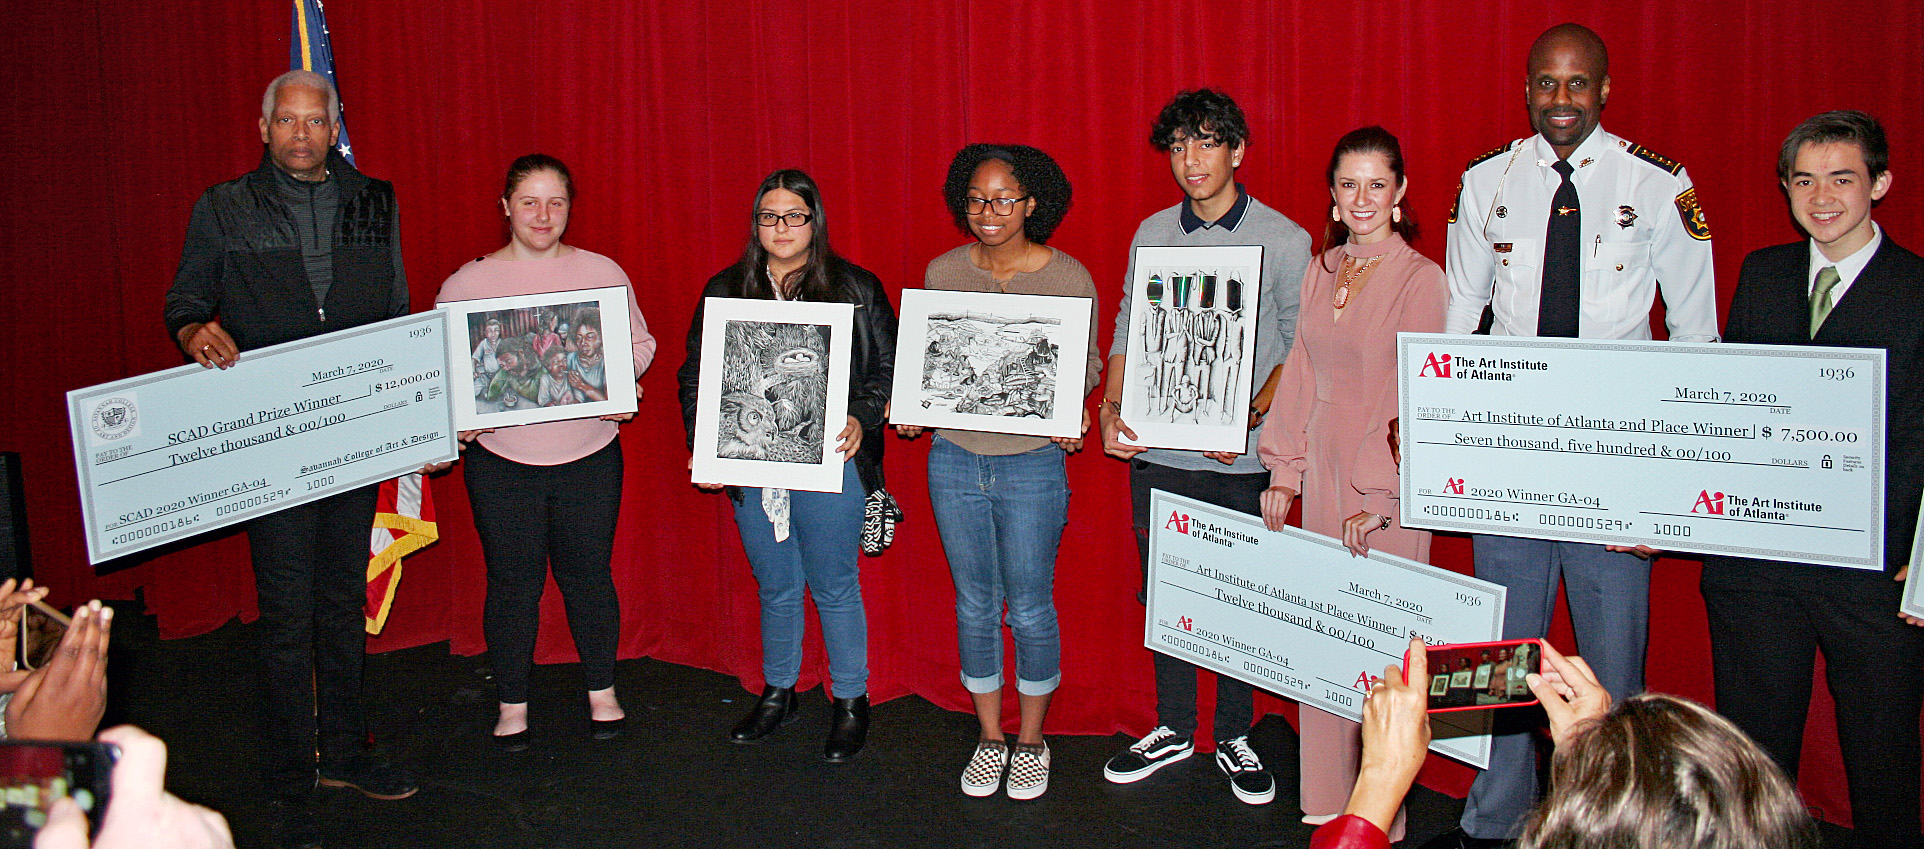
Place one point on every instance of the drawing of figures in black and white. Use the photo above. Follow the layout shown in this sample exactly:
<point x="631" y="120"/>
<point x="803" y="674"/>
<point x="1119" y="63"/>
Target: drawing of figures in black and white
<point x="774" y="392"/>
<point x="1194" y="332"/>
<point x="991" y="365"/>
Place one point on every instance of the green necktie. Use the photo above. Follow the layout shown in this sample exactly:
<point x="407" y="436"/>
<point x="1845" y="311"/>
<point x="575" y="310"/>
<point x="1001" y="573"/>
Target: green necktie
<point x="1820" y="302"/>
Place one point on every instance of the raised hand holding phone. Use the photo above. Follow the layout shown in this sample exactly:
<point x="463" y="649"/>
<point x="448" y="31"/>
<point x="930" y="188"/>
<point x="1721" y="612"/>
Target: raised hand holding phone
<point x="1570" y="692"/>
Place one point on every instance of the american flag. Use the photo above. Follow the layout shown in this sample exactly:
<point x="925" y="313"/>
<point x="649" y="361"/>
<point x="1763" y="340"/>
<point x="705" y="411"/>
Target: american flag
<point x="404" y="513"/>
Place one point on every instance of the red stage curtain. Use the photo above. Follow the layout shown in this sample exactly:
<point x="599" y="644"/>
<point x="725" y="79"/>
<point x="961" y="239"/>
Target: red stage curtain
<point x="120" y="112"/>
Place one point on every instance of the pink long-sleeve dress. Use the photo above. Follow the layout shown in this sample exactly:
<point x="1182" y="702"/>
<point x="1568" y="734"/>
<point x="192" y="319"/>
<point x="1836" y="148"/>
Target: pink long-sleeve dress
<point x="1327" y="438"/>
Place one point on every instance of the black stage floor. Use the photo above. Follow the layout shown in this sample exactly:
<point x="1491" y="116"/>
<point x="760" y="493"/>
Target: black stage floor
<point x="673" y="780"/>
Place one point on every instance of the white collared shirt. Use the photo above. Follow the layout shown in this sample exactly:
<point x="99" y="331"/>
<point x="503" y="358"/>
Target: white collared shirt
<point x="1847" y="268"/>
<point x="1635" y="241"/>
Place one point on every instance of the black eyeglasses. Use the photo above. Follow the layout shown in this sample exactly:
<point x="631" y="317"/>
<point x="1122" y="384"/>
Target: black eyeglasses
<point x="793" y="219"/>
<point x="1002" y="206"/>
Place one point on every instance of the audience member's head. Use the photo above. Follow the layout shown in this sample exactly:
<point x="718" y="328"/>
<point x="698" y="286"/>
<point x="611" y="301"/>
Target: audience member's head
<point x="1662" y="771"/>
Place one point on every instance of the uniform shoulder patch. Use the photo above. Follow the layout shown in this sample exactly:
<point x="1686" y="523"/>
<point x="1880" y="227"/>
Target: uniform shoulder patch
<point x="1693" y="215"/>
<point x="1485" y="157"/>
<point x="1655" y="158"/>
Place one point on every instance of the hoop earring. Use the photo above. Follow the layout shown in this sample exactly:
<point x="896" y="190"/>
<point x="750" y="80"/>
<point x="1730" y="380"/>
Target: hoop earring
<point x="1396" y="214"/>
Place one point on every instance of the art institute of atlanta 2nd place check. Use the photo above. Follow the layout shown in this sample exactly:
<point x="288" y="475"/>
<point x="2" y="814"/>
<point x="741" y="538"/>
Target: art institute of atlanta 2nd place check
<point x="1295" y="613"/>
<point x="174" y="453"/>
<point x="1753" y="450"/>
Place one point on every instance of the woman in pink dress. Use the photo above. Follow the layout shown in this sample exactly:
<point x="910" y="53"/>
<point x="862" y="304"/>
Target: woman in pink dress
<point x="1327" y="438"/>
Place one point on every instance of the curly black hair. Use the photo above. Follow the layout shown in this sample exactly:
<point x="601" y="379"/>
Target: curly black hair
<point x="1035" y="172"/>
<point x="1197" y="114"/>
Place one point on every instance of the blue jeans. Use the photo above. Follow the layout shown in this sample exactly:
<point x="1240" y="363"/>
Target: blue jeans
<point x="1001" y="518"/>
<point x="824" y="538"/>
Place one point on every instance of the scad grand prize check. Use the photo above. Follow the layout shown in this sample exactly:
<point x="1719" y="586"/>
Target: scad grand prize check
<point x="1294" y="613"/>
<point x="178" y="452"/>
<point x="1753" y="450"/>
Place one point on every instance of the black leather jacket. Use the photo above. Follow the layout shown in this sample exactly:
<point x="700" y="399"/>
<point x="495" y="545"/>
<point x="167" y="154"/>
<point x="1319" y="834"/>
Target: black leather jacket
<point x="871" y="373"/>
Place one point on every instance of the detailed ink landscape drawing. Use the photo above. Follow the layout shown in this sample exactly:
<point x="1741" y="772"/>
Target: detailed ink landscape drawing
<point x="990" y="361"/>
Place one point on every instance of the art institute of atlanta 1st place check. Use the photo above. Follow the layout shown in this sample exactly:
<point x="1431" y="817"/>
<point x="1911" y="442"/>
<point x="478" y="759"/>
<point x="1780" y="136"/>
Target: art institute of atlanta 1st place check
<point x="1295" y="613"/>
<point x="1754" y="450"/>
<point x="174" y="453"/>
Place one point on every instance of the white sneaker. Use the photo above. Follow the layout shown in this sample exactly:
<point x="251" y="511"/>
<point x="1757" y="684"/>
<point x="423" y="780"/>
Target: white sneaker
<point x="983" y="775"/>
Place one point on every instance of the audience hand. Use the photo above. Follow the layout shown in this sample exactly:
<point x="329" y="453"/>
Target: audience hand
<point x="142" y="814"/>
<point x="1396" y="738"/>
<point x="64" y="699"/>
<point x="1570" y="693"/>
<point x="12" y="598"/>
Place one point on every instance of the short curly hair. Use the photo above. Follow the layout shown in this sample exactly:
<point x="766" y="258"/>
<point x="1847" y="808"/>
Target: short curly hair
<point x="1038" y="175"/>
<point x="1200" y="113"/>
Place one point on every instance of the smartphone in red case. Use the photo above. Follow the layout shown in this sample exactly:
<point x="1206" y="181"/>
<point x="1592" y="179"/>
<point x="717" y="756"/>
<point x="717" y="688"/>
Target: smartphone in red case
<point x="1478" y="676"/>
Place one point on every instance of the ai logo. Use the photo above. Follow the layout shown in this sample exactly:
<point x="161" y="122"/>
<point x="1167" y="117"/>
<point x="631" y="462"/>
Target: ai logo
<point x="1179" y="521"/>
<point x="1186" y="623"/>
<point x="1435" y="365"/>
<point x="1454" y="487"/>
<point x="1710" y="502"/>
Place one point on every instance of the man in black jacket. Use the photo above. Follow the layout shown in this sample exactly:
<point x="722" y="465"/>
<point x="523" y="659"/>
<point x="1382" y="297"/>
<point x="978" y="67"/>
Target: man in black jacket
<point x="1847" y="285"/>
<point x="300" y="246"/>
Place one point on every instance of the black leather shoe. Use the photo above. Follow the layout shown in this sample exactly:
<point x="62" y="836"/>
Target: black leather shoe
<point x="516" y="742"/>
<point x="777" y="707"/>
<point x="1457" y="838"/>
<point x="607" y="729"/>
<point x="847" y="729"/>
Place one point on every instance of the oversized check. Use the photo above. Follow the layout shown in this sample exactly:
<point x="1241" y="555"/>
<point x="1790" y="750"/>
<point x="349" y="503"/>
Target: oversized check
<point x="1293" y="613"/>
<point x="178" y="452"/>
<point x="1755" y="450"/>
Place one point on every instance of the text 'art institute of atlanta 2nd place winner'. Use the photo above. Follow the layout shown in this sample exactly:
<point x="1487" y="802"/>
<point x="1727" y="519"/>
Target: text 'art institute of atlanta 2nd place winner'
<point x="1753" y="450"/>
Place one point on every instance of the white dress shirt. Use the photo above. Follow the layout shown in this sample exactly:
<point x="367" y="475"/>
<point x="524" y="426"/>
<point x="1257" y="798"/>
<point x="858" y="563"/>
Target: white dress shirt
<point x="1642" y="231"/>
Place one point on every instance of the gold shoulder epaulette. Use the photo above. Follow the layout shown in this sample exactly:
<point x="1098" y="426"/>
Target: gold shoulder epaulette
<point x="1485" y="157"/>
<point x="1654" y="158"/>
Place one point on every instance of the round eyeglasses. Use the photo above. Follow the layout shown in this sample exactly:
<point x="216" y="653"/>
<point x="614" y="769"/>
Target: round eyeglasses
<point x="793" y="219"/>
<point x="1002" y="206"/>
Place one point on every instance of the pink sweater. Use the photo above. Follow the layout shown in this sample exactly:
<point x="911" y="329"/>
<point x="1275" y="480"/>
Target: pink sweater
<point x="550" y="443"/>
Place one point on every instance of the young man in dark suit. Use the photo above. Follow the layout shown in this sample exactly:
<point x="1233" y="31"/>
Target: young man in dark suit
<point x="1847" y="285"/>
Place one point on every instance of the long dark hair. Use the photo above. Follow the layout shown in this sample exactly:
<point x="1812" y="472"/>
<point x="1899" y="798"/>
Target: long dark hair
<point x="818" y="278"/>
<point x="1371" y="139"/>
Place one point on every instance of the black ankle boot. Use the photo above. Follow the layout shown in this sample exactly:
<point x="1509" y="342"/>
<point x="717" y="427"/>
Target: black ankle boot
<point x="777" y="707"/>
<point x="847" y="729"/>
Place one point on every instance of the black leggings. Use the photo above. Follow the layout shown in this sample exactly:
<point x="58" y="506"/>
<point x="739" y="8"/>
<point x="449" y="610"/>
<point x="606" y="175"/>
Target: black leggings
<point x="531" y="518"/>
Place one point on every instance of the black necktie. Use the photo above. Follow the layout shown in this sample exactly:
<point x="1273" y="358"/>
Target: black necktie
<point x="1562" y="261"/>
